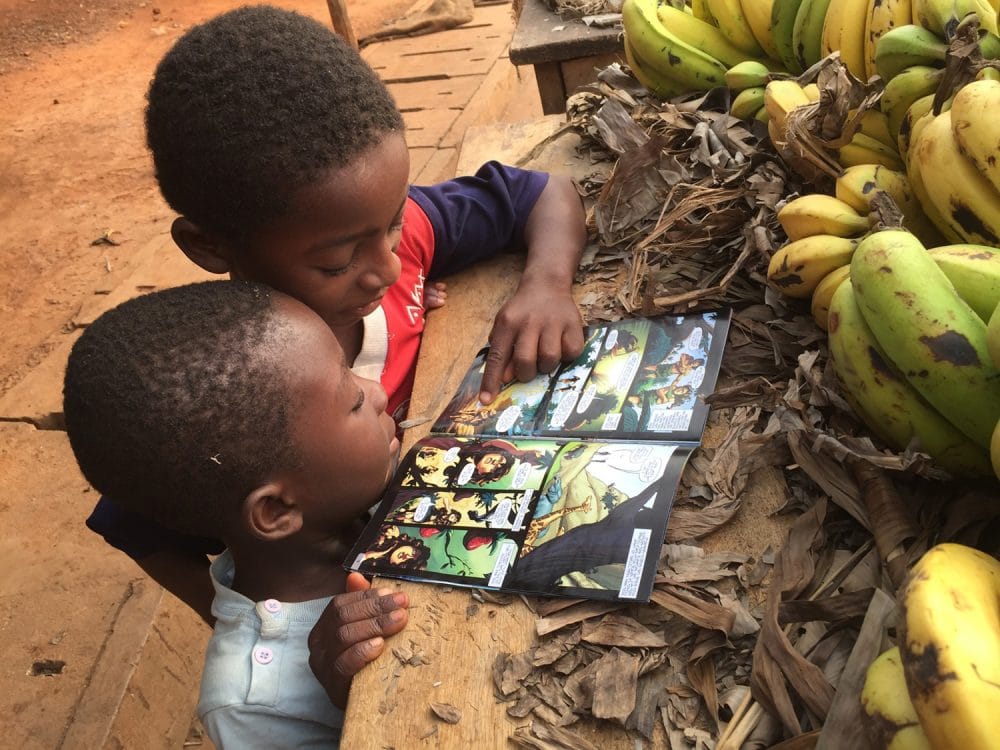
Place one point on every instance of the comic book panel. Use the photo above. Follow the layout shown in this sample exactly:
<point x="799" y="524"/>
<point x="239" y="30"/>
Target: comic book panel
<point x="443" y="461"/>
<point x="599" y="517"/>
<point x="475" y="508"/>
<point x="593" y="390"/>
<point x="512" y="412"/>
<point x="481" y="556"/>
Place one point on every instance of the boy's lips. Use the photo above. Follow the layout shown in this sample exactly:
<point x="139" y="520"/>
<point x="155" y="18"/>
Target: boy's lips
<point x="370" y="307"/>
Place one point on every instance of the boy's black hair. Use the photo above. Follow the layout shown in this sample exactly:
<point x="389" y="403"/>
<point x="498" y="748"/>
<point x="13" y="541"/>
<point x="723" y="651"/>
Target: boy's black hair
<point x="253" y="105"/>
<point x="176" y="405"/>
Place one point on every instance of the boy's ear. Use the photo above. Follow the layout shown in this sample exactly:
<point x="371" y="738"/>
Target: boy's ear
<point x="201" y="248"/>
<point x="269" y="514"/>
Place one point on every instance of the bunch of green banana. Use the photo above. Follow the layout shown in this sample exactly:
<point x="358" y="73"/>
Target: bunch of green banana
<point x="735" y="26"/>
<point x="886" y="702"/>
<point x="960" y="199"/>
<point x="949" y="633"/>
<point x="974" y="271"/>
<point x="857" y="185"/>
<point x="663" y="62"/>
<point x="927" y="331"/>
<point x="807" y="31"/>
<point x="901" y="47"/>
<point x="943" y="16"/>
<point x="783" y="15"/>
<point x="903" y="89"/>
<point x="883" y="397"/>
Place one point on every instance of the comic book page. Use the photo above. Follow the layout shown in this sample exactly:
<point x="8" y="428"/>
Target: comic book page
<point x="554" y="517"/>
<point x="642" y="378"/>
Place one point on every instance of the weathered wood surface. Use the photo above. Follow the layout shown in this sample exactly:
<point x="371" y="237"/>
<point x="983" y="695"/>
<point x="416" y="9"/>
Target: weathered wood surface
<point x="542" y="36"/>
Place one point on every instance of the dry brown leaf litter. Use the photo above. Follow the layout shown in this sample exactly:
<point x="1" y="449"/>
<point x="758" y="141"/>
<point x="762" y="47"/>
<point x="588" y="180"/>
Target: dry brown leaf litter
<point x="734" y="652"/>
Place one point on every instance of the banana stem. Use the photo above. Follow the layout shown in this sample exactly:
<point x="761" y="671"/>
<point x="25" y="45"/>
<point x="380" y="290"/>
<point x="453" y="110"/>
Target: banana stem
<point x="744" y="721"/>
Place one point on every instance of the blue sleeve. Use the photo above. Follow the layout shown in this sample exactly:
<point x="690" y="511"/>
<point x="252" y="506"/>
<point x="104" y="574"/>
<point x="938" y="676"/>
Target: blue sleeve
<point x="139" y="537"/>
<point x="479" y="216"/>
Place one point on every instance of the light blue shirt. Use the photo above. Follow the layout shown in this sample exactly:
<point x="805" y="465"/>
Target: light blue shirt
<point x="257" y="690"/>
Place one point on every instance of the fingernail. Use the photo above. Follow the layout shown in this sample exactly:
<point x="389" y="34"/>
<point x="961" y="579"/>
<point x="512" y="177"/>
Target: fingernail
<point x="374" y="644"/>
<point x="383" y="591"/>
<point x="399" y="599"/>
<point x="397" y="615"/>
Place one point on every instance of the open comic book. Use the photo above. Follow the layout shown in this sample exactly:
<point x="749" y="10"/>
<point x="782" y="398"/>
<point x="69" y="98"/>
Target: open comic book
<point x="561" y="486"/>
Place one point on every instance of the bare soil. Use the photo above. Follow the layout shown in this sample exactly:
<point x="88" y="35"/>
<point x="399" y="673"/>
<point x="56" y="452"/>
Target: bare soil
<point x="73" y="163"/>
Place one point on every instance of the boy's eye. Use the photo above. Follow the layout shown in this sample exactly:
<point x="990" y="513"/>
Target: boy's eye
<point x="334" y="271"/>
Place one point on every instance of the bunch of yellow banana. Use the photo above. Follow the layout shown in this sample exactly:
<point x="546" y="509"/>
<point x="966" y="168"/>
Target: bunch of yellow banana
<point x="673" y="52"/>
<point x="902" y="46"/>
<point x="858" y="185"/>
<point x="894" y="722"/>
<point x="934" y="379"/>
<point x="822" y="233"/>
<point x="949" y="634"/>
<point x="951" y="163"/>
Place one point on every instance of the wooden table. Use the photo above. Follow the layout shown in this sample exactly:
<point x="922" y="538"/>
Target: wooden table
<point x="564" y="53"/>
<point x="446" y="653"/>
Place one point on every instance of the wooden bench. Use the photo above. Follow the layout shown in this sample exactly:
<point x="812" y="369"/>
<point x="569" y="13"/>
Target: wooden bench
<point x="564" y="53"/>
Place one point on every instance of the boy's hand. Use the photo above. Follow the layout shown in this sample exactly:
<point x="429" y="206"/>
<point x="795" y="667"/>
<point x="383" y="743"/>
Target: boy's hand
<point x="539" y="327"/>
<point x="435" y="295"/>
<point x="351" y="632"/>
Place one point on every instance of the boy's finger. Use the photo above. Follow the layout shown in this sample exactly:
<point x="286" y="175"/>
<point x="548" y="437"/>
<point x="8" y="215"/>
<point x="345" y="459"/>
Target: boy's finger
<point x="387" y="624"/>
<point x="350" y="662"/>
<point x="497" y="360"/>
<point x="356" y="582"/>
<point x="375" y="604"/>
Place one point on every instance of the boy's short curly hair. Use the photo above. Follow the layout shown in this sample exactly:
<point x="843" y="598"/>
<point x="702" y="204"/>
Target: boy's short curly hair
<point x="176" y="405"/>
<point x="253" y="105"/>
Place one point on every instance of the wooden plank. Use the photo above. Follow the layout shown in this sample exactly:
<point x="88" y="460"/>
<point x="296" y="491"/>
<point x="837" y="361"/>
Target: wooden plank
<point x="442" y="92"/>
<point x="542" y="36"/>
<point x="427" y="127"/>
<point x="440" y="167"/>
<point x="581" y="71"/>
<point x="551" y="89"/>
<point x="341" y="21"/>
<point x="394" y="68"/>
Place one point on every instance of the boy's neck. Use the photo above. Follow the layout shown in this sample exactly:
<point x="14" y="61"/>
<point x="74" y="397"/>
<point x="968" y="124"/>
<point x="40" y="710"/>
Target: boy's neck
<point x="288" y="572"/>
<point x="350" y="340"/>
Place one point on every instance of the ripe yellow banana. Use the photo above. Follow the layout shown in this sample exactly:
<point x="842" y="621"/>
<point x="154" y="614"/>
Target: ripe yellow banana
<point x="904" y="89"/>
<point x="885" y="400"/>
<point x="894" y="721"/>
<point x="966" y="200"/>
<point x="974" y="270"/>
<point x="758" y="16"/>
<point x="916" y="177"/>
<point x="699" y="34"/>
<point x="819" y="306"/>
<point x="950" y="645"/>
<point x="914" y="112"/>
<point x="699" y="9"/>
<point x="807" y="32"/>
<point x="783" y="14"/>
<point x="863" y="149"/>
<point x="728" y="15"/>
<point x="943" y="16"/>
<point x="663" y="58"/>
<point x="882" y="17"/>
<point x="975" y="121"/>
<point x="903" y="46"/>
<point x="656" y="83"/>
<point x="857" y="185"/>
<point x="928" y="332"/>
<point x="844" y="31"/>
<point x="798" y="267"/>
<point x="781" y="97"/>
<point x="747" y="102"/>
<point x="875" y="124"/>
<point x="817" y="213"/>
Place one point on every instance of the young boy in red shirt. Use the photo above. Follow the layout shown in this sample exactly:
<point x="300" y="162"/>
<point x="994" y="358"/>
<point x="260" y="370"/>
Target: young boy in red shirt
<point x="286" y="159"/>
<point x="227" y="409"/>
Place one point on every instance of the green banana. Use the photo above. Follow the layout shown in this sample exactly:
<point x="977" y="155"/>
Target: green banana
<point x="807" y="32"/>
<point x="783" y="15"/>
<point x="927" y="331"/>
<point x="728" y="15"/>
<point x="916" y="110"/>
<point x="670" y="62"/>
<point x="905" y="88"/>
<point x="974" y="270"/>
<point x="905" y="46"/>
<point x="882" y="16"/>
<point x="746" y="103"/>
<point x="884" y="399"/>
<point x="943" y="16"/>
<point x="747" y="74"/>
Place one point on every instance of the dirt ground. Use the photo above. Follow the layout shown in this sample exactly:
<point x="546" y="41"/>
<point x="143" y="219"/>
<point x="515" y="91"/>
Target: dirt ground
<point x="73" y="164"/>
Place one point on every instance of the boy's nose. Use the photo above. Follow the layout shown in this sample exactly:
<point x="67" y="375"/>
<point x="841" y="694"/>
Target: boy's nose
<point x="384" y="268"/>
<point x="378" y="396"/>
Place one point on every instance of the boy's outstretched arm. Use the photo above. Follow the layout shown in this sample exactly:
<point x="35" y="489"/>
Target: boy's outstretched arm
<point x="540" y="325"/>
<point x="351" y="632"/>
